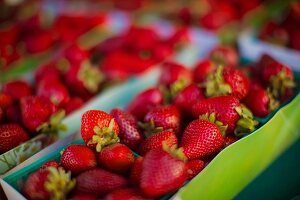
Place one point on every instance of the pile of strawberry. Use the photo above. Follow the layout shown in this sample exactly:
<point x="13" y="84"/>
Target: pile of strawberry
<point x="175" y="129"/>
<point x="284" y="32"/>
<point x="35" y="35"/>
<point x="73" y="77"/>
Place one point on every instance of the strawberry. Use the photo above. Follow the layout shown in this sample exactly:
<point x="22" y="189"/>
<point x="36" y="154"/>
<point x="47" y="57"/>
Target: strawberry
<point x="55" y="91"/>
<point x="162" y="51"/>
<point x="48" y="71"/>
<point x="83" y="197"/>
<point x="136" y="171"/>
<point x="11" y="135"/>
<point x="13" y="114"/>
<point x="225" y="81"/>
<point x="49" y="163"/>
<point x="179" y="37"/>
<point x="129" y="134"/>
<point x="225" y="56"/>
<point x="194" y="167"/>
<point x="160" y="118"/>
<point x="17" y="89"/>
<point x="125" y="194"/>
<point x="215" y="19"/>
<point x="202" y="69"/>
<point x="230" y="140"/>
<point x="1" y="114"/>
<point x="99" y="182"/>
<point x="98" y="129"/>
<point x="260" y="101"/>
<point x="78" y="158"/>
<point x="5" y="101"/>
<point x="187" y="97"/>
<point x="49" y="184"/>
<point x="162" y="173"/>
<point x="75" y="54"/>
<point x="73" y="104"/>
<point x="39" y="40"/>
<point x="35" y="111"/>
<point x="157" y="140"/>
<point x="145" y="101"/>
<point x="175" y="77"/>
<point x="9" y="54"/>
<point x="227" y="110"/>
<point x="116" y="158"/>
<point x="201" y="138"/>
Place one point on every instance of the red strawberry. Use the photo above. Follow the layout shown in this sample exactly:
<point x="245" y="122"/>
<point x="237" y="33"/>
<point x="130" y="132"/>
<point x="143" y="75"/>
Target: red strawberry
<point x="13" y="114"/>
<point x="136" y="171"/>
<point x="179" y="37"/>
<point x="5" y="101"/>
<point x="47" y="71"/>
<point x="74" y="104"/>
<point x="260" y="101"/>
<point x="9" y="54"/>
<point x="98" y="129"/>
<point x="175" y="77"/>
<point x="225" y="81"/>
<point x="162" y="51"/>
<point x="83" y="197"/>
<point x="194" y="167"/>
<point x="201" y="138"/>
<point x="78" y="158"/>
<point x="39" y="41"/>
<point x="129" y="132"/>
<point x="35" y="111"/>
<point x="187" y="97"/>
<point x="229" y="111"/>
<point x="55" y="91"/>
<point x="99" y="182"/>
<point x="49" y="184"/>
<point x="230" y="140"/>
<point x="49" y="163"/>
<point x="11" y="135"/>
<point x="225" y="56"/>
<point x="157" y="140"/>
<point x="202" y="69"/>
<point x="1" y="114"/>
<point x="75" y="54"/>
<point x="17" y="89"/>
<point x="162" y="173"/>
<point x="163" y="118"/>
<point x="116" y="158"/>
<point x="125" y="194"/>
<point x="145" y="101"/>
<point x="216" y="19"/>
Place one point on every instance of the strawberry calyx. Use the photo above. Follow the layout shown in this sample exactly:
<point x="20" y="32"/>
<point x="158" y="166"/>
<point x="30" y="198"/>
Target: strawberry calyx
<point x="150" y="128"/>
<point x="212" y="118"/>
<point x="215" y="85"/>
<point x="104" y="136"/>
<point x="90" y="76"/>
<point x="174" y="151"/>
<point x="281" y="82"/>
<point x="59" y="183"/>
<point x="246" y="123"/>
<point x="54" y="124"/>
<point x="273" y="102"/>
<point x="178" y="86"/>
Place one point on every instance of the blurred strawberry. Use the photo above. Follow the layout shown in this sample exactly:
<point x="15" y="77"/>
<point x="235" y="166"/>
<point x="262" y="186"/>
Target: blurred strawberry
<point x="83" y="197"/>
<point x="17" y="89"/>
<point x="39" y="40"/>
<point x="13" y="113"/>
<point x="48" y="71"/>
<point x="49" y="163"/>
<point x="5" y="100"/>
<point x="8" y="55"/>
<point x="202" y="69"/>
<point x="75" y="54"/>
<point x="136" y="171"/>
<point x="9" y="35"/>
<point x="226" y="56"/>
<point x="125" y="194"/>
<point x="73" y="104"/>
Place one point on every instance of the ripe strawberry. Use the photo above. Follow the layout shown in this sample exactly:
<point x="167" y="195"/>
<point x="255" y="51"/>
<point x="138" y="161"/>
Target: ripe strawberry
<point x="202" y="69"/>
<point x="83" y="197"/>
<point x="1" y="114"/>
<point x="175" y="76"/>
<point x="78" y="158"/>
<point x="179" y="37"/>
<point x="157" y="140"/>
<point x="216" y="19"/>
<point x="129" y="134"/>
<point x="11" y="135"/>
<point x="49" y="163"/>
<point x="17" y="89"/>
<point x="48" y="71"/>
<point x="39" y="41"/>
<point x="125" y="194"/>
<point x="116" y="158"/>
<point x="194" y="167"/>
<point x="99" y="182"/>
<point x="201" y="138"/>
<point x="145" y="101"/>
<point x="229" y="111"/>
<point x="55" y="91"/>
<point x="5" y="101"/>
<point x="162" y="173"/>
<point x="162" y="51"/>
<point x="75" y="54"/>
<point x="98" y="129"/>
<point x="160" y="118"/>
<point x="35" y="111"/>
<point x="225" y="56"/>
<point x="49" y="184"/>
<point x="187" y="97"/>
<point x="136" y="171"/>
<point x="73" y="104"/>
<point x="9" y="54"/>
<point x="13" y="114"/>
<point x="230" y="140"/>
<point x="260" y="101"/>
<point x="225" y="81"/>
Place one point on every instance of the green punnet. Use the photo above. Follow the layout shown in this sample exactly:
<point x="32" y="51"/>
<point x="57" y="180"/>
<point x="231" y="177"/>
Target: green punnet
<point x="149" y="128"/>
<point x="280" y="83"/>
<point x="90" y="76"/>
<point x="54" y="125"/>
<point x="246" y="123"/>
<point x="174" y="151"/>
<point x="59" y="183"/>
<point x="212" y="118"/>
<point x="104" y="136"/>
